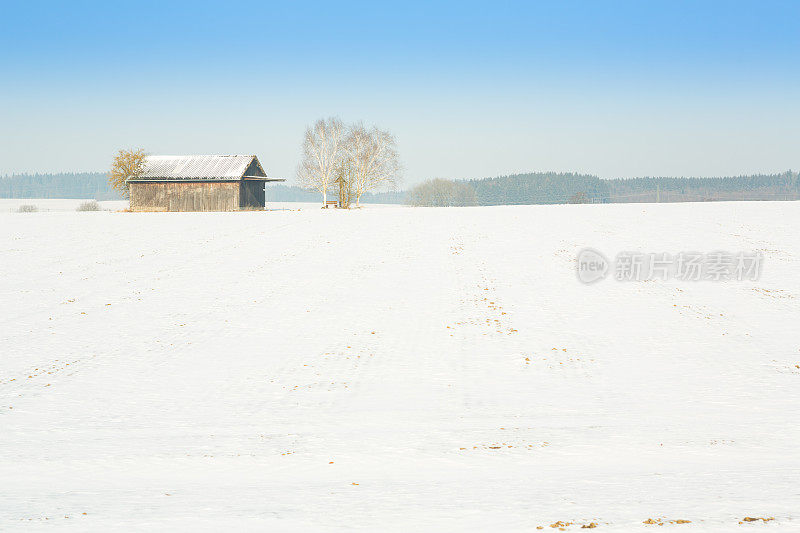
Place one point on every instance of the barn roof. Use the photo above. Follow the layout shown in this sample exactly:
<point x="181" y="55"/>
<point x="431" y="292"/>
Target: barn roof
<point x="201" y="167"/>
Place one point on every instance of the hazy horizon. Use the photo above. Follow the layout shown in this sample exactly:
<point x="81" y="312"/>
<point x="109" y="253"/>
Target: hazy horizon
<point x="470" y="90"/>
<point x="291" y="180"/>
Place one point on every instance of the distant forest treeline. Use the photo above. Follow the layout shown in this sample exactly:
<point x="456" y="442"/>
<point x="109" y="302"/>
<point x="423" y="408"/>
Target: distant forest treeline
<point x="534" y="188"/>
<point x="61" y="185"/>
<point x="556" y="188"/>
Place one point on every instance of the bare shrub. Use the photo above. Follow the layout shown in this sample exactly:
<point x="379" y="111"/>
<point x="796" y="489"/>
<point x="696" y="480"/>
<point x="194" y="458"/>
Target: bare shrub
<point x="91" y="205"/>
<point x="27" y="208"/>
<point x="442" y="193"/>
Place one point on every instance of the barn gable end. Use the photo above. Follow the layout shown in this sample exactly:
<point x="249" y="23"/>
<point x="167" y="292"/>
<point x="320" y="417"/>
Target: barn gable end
<point x="254" y="169"/>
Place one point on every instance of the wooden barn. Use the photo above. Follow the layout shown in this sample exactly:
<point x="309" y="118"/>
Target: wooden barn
<point x="199" y="183"/>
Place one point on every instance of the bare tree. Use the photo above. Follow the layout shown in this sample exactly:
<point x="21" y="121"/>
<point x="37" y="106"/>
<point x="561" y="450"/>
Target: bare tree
<point x="127" y="164"/>
<point x="322" y="156"/>
<point x="372" y="154"/>
<point x="349" y="162"/>
<point x="442" y="193"/>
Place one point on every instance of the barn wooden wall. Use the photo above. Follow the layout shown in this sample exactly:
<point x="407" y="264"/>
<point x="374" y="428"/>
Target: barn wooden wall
<point x="185" y="196"/>
<point x="251" y="194"/>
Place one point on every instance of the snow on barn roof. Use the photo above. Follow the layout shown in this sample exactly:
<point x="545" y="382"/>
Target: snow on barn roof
<point x="201" y="167"/>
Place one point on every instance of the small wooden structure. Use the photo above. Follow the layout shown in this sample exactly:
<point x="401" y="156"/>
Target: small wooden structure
<point x="199" y="183"/>
<point x="331" y="203"/>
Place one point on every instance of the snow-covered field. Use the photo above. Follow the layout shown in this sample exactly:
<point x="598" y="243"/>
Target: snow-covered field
<point x="396" y="370"/>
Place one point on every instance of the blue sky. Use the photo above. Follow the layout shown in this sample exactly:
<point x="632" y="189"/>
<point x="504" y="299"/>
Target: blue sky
<point x="470" y="89"/>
